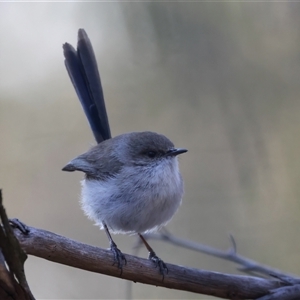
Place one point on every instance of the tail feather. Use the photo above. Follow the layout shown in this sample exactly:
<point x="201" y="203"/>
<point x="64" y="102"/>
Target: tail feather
<point x="83" y="71"/>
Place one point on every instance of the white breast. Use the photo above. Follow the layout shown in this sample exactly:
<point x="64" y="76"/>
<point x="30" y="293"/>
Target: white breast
<point x="139" y="199"/>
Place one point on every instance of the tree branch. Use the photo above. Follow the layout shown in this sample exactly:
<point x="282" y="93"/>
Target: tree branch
<point x="62" y="250"/>
<point x="248" y="265"/>
<point x="13" y="284"/>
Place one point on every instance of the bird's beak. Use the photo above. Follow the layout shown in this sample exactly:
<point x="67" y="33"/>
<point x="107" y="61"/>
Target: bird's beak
<point x="175" y="151"/>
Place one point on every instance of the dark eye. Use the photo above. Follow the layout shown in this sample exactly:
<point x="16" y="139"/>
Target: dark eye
<point x="151" y="154"/>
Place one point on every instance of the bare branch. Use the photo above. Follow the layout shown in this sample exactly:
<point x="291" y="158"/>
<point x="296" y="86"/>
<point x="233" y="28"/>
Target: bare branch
<point x="12" y="259"/>
<point x="283" y="293"/>
<point x="62" y="250"/>
<point x="248" y="265"/>
<point x="7" y="282"/>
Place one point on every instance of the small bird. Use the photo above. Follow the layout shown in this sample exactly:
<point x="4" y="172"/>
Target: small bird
<point x="132" y="182"/>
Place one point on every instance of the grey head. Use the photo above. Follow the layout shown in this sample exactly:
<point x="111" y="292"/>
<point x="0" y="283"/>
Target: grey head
<point x="130" y="149"/>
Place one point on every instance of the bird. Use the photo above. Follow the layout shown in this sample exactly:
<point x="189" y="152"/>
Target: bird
<point x="132" y="183"/>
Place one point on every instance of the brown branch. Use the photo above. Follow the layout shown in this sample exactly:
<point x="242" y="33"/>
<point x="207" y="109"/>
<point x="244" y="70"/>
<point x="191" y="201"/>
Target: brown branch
<point x="13" y="284"/>
<point x="62" y="250"/>
<point x="283" y="293"/>
<point x="290" y="292"/>
<point x="248" y="265"/>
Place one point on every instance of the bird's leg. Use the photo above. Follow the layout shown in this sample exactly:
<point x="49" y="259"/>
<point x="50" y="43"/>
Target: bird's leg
<point x="163" y="269"/>
<point x="119" y="257"/>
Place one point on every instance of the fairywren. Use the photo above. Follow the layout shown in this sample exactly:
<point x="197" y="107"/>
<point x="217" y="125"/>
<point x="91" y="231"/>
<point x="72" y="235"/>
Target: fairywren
<point x="132" y="182"/>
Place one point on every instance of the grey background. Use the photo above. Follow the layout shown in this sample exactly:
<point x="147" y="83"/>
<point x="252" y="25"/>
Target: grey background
<point x="218" y="78"/>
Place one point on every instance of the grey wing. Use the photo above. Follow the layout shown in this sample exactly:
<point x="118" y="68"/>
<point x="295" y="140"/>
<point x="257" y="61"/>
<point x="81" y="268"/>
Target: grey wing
<point x="97" y="163"/>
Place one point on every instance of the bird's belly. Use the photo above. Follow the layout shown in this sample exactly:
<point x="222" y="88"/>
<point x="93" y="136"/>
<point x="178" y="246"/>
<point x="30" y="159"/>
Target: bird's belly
<point x="140" y="206"/>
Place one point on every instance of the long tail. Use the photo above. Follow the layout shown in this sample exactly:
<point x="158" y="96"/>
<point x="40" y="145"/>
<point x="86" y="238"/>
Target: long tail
<point x="83" y="71"/>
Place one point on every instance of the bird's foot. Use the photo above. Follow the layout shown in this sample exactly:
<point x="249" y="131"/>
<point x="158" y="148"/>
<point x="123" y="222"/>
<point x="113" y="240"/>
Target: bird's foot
<point x="16" y="223"/>
<point x="119" y="257"/>
<point x="163" y="269"/>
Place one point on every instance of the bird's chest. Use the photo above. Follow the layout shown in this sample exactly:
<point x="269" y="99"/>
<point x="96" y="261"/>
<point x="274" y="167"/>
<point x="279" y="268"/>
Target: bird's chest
<point x="153" y="188"/>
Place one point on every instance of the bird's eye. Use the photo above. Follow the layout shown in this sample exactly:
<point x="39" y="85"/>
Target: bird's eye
<point x="151" y="154"/>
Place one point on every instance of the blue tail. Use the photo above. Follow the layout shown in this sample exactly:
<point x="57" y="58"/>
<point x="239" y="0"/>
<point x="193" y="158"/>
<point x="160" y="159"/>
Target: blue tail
<point x="83" y="71"/>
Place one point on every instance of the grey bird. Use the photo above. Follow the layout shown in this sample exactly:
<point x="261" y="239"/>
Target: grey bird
<point x="132" y="182"/>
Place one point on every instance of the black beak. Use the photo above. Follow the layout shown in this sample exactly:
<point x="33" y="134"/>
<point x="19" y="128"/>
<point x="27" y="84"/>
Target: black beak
<point x="175" y="151"/>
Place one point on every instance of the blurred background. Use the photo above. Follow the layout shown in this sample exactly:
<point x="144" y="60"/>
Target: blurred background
<point x="220" y="79"/>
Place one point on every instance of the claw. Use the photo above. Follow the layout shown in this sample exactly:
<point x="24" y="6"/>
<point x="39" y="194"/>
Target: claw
<point x="119" y="257"/>
<point x="16" y="223"/>
<point x="163" y="269"/>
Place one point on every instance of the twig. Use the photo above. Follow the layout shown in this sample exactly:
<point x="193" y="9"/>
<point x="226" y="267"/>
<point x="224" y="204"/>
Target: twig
<point x="248" y="265"/>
